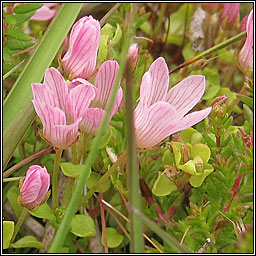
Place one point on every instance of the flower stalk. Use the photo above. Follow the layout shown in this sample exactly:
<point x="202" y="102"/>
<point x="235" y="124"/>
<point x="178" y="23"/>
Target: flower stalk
<point x="55" y="178"/>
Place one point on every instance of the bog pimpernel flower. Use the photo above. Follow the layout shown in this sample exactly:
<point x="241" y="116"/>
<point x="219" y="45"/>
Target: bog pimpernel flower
<point x="245" y="57"/>
<point x="160" y="112"/>
<point x="60" y="106"/>
<point x="81" y="57"/>
<point x="34" y="187"/>
<point x="104" y="82"/>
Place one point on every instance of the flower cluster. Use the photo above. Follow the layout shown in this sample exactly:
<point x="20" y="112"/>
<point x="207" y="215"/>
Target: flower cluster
<point x="80" y="106"/>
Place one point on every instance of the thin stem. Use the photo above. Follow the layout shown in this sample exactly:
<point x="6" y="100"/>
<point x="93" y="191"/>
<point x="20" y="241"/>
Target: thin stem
<point x="21" y="219"/>
<point x="137" y="243"/>
<point x="11" y="179"/>
<point x="74" y="153"/>
<point x="13" y="69"/>
<point x="160" y="18"/>
<point x="25" y="161"/>
<point x="210" y="51"/>
<point x="72" y="207"/>
<point x="103" y="222"/>
<point x="110" y="12"/>
<point x="55" y="179"/>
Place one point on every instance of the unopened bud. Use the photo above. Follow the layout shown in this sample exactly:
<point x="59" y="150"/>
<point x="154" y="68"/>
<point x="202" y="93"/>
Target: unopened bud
<point x="133" y="55"/>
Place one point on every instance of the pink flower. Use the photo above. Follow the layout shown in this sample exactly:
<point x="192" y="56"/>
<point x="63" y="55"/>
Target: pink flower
<point x="160" y="112"/>
<point x="104" y="82"/>
<point x="33" y="191"/>
<point x="230" y="14"/>
<point x="133" y="52"/>
<point x="245" y="57"/>
<point x="60" y="107"/>
<point x="80" y="59"/>
<point x="44" y="13"/>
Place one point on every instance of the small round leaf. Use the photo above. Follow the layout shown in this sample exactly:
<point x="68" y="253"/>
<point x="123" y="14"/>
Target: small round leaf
<point x="114" y="239"/>
<point x="83" y="226"/>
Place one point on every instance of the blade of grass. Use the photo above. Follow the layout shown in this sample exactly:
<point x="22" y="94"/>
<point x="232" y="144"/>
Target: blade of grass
<point x="16" y="108"/>
<point x="137" y="241"/>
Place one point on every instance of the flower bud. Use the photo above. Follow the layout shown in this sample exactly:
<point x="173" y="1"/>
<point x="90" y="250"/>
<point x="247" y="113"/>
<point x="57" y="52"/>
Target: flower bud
<point x="80" y="59"/>
<point x="132" y="53"/>
<point x="34" y="187"/>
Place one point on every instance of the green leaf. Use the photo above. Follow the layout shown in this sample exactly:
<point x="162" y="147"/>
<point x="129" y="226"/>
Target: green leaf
<point x="10" y="19"/>
<point x="12" y="196"/>
<point x="248" y="113"/>
<point x="209" y="139"/>
<point x="15" y="45"/>
<point x="21" y="18"/>
<point x="108" y="30"/>
<point x="103" y="48"/>
<point x="83" y="226"/>
<point x="73" y="170"/>
<point x="44" y="212"/>
<point x="212" y="76"/>
<point x="177" y="150"/>
<point x="6" y="4"/>
<point x="247" y="100"/>
<point x="163" y="186"/>
<point x="196" y="181"/>
<point x="24" y="8"/>
<point x="21" y="93"/>
<point x="211" y="92"/>
<point x="8" y="228"/>
<point x="17" y="34"/>
<point x="117" y="35"/>
<point x="114" y="239"/>
<point x="168" y="158"/>
<point x="188" y="167"/>
<point x="227" y="123"/>
<point x="201" y="150"/>
<point x="191" y="135"/>
<point x="93" y="178"/>
<point x="188" y="52"/>
<point x="28" y="241"/>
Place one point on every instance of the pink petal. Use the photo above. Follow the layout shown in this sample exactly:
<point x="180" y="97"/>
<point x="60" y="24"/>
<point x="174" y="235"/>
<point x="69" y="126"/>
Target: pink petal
<point x="81" y="97"/>
<point x="118" y="101"/>
<point x="104" y="81"/>
<point x="55" y="81"/>
<point x="80" y="59"/>
<point x="155" y="124"/>
<point x="185" y="95"/>
<point x="30" y="188"/>
<point x="45" y="178"/>
<point x="43" y="13"/>
<point x="42" y="93"/>
<point x="154" y="83"/>
<point x="190" y="120"/>
<point x="91" y="120"/>
<point x="245" y="57"/>
<point x="63" y="136"/>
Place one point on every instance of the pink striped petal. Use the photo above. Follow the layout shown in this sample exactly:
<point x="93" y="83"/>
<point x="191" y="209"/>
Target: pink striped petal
<point x="155" y="125"/>
<point x="63" y="136"/>
<point x="80" y="59"/>
<point x="43" y="13"/>
<point x="91" y="120"/>
<point x="185" y="95"/>
<point x="118" y="102"/>
<point x="55" y="81"/>
<point x="155" y="82"/>
<point x="190" y="120"/>
<point x="245" y="57"/>
<point x="30" y="187"/>
<point x="81" y="97"/>
<point x="42" y="93"/>
<point x="45" y="178"/>
<point x="104" y="81"/>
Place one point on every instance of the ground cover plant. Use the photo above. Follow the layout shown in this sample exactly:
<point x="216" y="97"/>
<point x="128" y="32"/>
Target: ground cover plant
<point x="127" y="128"/>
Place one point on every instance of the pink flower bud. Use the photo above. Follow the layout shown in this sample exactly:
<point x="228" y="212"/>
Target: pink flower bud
<point x="80" y="59"/>
<point x="230" y="15"/>
<point x="34" y="189"/>
<point x="245" y="57"/>
<point x="133" y="53"/>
